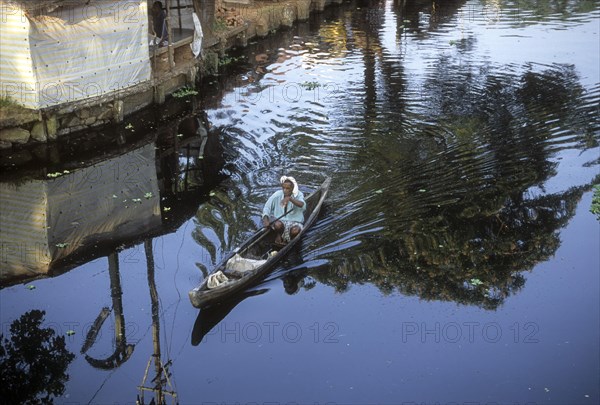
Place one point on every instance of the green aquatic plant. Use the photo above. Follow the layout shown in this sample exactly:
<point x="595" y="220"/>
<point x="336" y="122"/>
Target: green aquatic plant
<point x="185" y="92"/>
<point x="475" y="282"/>
<point x="595" y="208"/>
<point x="227" y="60"/>
<point x="311" y="85"/>
<point x="57" y="174"/>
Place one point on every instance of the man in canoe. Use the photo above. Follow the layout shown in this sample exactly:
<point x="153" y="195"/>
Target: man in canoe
<point x="284" y="211"/>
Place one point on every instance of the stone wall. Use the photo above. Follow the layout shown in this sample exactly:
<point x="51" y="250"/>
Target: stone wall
<point x="19" y="126"/>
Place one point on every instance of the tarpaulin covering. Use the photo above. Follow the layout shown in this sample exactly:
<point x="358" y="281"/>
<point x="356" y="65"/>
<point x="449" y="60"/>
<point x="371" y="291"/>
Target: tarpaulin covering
<point x="44" y="221"/>
<point x="72" y="53"/>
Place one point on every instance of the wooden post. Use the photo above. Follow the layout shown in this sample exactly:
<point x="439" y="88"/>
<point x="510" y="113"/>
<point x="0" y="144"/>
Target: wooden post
<point x="205" y="9"/>
<point x="179" y="14"/>
<point x="170" y="31"/>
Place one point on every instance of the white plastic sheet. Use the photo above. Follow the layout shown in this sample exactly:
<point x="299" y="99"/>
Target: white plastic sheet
<point x="198" y="36"/>
<point x="73" y="53"/>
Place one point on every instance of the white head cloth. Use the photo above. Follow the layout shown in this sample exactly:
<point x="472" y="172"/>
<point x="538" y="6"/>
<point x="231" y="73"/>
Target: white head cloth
<point x="293" y="180"/>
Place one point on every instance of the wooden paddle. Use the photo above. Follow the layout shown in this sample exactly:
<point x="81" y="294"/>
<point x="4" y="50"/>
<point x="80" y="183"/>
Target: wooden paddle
<point x="269" y="228"/>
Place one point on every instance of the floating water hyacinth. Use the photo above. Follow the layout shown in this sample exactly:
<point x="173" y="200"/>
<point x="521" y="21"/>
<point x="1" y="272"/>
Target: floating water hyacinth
<point x="148" y="195"/>
<point x="70" y="332"/>
<point x="595" y="208"/>
<point x="129" y="126"/>
<point x="57" y="174"/>
<point x="31" y="287"/>
<point x="185" y="92"/>
<point x="167" y="209"/>
<point x="62" y="245"/>
<point x="137" y="200"/>
<point x="311" y="85"/>
<point x="476" y="281"/>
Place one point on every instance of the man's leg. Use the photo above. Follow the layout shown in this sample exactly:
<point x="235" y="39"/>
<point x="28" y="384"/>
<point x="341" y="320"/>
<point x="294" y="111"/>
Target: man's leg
<point x="278" y="227"/>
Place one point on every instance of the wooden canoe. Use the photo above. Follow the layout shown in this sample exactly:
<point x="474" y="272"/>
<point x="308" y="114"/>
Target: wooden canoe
<point x="256" y="247"/>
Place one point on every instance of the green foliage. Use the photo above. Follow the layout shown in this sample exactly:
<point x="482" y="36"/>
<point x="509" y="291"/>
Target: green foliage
<point x="185" y="92"/>
<point x="7" y="101"/>
<point x="219" y="25"/>
<point x="476" y="282"/>
<point x="595" y="208"/>
<point x="227" y="60"/>
<point x="33" y="362"/>
<point x="57" y="174"/>
<point x="311" y="85"/>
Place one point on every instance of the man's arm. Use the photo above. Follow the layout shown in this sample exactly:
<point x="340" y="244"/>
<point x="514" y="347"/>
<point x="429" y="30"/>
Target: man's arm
<point x="268" y="211"/>
<point x="298" y="202"/>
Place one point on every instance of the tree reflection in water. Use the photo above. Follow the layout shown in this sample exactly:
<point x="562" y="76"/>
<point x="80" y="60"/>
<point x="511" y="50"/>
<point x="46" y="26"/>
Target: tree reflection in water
<point x="461" y="220"/>
<point x="33" y="362"/>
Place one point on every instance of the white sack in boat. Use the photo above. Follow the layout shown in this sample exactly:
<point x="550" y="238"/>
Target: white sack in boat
<point x="216" y="279"/>
<point x="241" y="264"/>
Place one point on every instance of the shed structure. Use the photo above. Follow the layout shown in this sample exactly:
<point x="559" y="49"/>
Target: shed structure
<point x="60" y="51"/>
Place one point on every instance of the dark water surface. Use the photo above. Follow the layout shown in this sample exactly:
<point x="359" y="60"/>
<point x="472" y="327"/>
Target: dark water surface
<point x="456" y="260"/>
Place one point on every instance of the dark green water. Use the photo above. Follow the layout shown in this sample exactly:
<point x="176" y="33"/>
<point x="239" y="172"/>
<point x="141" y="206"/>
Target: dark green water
<point x="456" y="260"/>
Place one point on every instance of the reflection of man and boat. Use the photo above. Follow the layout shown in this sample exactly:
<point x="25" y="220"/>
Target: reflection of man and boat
<point x="217" y="302"/>
<point x="210" y="317"/>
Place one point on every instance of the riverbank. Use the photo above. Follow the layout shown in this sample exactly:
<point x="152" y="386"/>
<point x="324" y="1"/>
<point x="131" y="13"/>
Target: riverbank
<point x="173" y="68"/>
